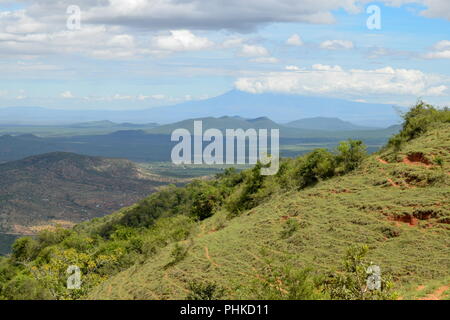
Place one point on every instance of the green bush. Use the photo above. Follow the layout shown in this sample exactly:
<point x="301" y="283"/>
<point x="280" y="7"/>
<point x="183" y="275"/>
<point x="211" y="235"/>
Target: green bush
<point x="351" y="283"/>
<point x="350" y="155"/>
<point x="286" y="283"/>
<point x="418" y="120"/>
<point x="206" y="199"/>
<point x="289" y="228"/>
<point x="244" y="196"/>
<point x="24" y="249"/>
<point x="178" y="253"/>
<point x="204" y="291"/>
<point x="317" y="165"/>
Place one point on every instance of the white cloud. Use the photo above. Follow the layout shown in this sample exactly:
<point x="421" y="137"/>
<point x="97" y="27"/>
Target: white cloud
<point x="67" y="95"/>
<point x="334" y="80"/>
<point x="265" y="60"/>
<point x="253" y="51"/>
<point x="324" y="67"/>
<point x="441" y="50"/>
<point x="182" y="40"/>
<point x="295" y="40"/>
<point x="292" y="68"/>
<point x="336" y="44"/>
<point x="154" y="97"/>
<point x="118" y="96"/>
<point x="436" y="9"/>
<point x="232" y="43"/>
<point x="441" y="45"/>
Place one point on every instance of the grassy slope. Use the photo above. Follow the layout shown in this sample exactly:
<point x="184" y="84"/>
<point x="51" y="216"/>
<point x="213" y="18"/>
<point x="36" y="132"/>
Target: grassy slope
<point x="360" y="207"/>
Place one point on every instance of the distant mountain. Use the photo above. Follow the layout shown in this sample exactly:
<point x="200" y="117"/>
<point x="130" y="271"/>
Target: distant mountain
<point x="155" y="144"/>
<point x="281" y="108"/>
<point x="67" y="188"/>
<point x="221" y="123"/>
<point x="327" y="124"/>
<point x="319" y="127"/>
<point x="112" y="125"/>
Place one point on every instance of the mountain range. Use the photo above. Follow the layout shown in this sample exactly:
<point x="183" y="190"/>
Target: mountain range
<point x="154" y="143"/>
<point x="281" y="108"/>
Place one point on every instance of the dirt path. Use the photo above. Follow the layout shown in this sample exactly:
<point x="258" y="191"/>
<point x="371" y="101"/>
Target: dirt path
<point x="209" y="257"/>
<point x="393" y="183"/>
<point x="437" y="295"/>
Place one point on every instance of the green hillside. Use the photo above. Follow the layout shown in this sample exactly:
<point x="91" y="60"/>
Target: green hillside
<point x="244" y="235"/>
<point x="67" y="188"/>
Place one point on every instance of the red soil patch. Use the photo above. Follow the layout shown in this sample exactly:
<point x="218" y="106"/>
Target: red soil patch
<point x="437" y="295"/>
<point x="420" y="288"/>
<point x="412" y="221"/>
<point x="417" y="159"/>
<point x="382" y="161"/>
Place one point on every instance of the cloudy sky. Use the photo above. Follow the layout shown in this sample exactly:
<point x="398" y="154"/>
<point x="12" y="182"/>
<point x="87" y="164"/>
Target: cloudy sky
<point x="142" y="53"/>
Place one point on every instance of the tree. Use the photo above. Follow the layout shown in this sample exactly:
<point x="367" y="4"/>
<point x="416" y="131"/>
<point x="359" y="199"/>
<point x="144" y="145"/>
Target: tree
<point x="319" y="164"/>
<point x="350" y="155"/>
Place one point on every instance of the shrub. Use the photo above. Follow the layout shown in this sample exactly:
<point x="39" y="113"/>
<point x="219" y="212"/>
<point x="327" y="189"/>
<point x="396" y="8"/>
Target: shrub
<point x="24" y="249"/>
<point x="351" y="283"/>
<point x="206" y="199"/>
<point x="286" y="284"/>
<point x="244" y="197"/>
<point x="289" y="228"/>
<point x="178" y="253"/>
<point x="317" y="165"/>
<point x="418" y="120"/>
<point x="204" y="291"/>
<point x="350" y="155"/>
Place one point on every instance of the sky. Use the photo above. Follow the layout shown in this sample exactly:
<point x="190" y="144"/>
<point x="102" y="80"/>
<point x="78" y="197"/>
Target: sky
<point x="134" y="54"/>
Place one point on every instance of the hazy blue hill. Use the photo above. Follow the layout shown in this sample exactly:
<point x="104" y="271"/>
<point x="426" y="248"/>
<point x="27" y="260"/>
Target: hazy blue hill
<point x="309" y="131"/>
<point x="327" y="124"/>
<point x="221" y="123"/>
<point x="110" y="124"/>
<point x="281" y="108"/>
<point x="155" y="144"/>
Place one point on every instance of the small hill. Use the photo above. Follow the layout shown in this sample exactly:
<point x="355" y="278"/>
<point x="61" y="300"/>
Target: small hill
<point x="327" y="124"/>
<point x="67" y="188"/>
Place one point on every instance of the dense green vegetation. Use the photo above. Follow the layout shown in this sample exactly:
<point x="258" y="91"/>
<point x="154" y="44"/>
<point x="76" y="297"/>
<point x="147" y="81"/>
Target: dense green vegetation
<point x="273" y="237"/>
